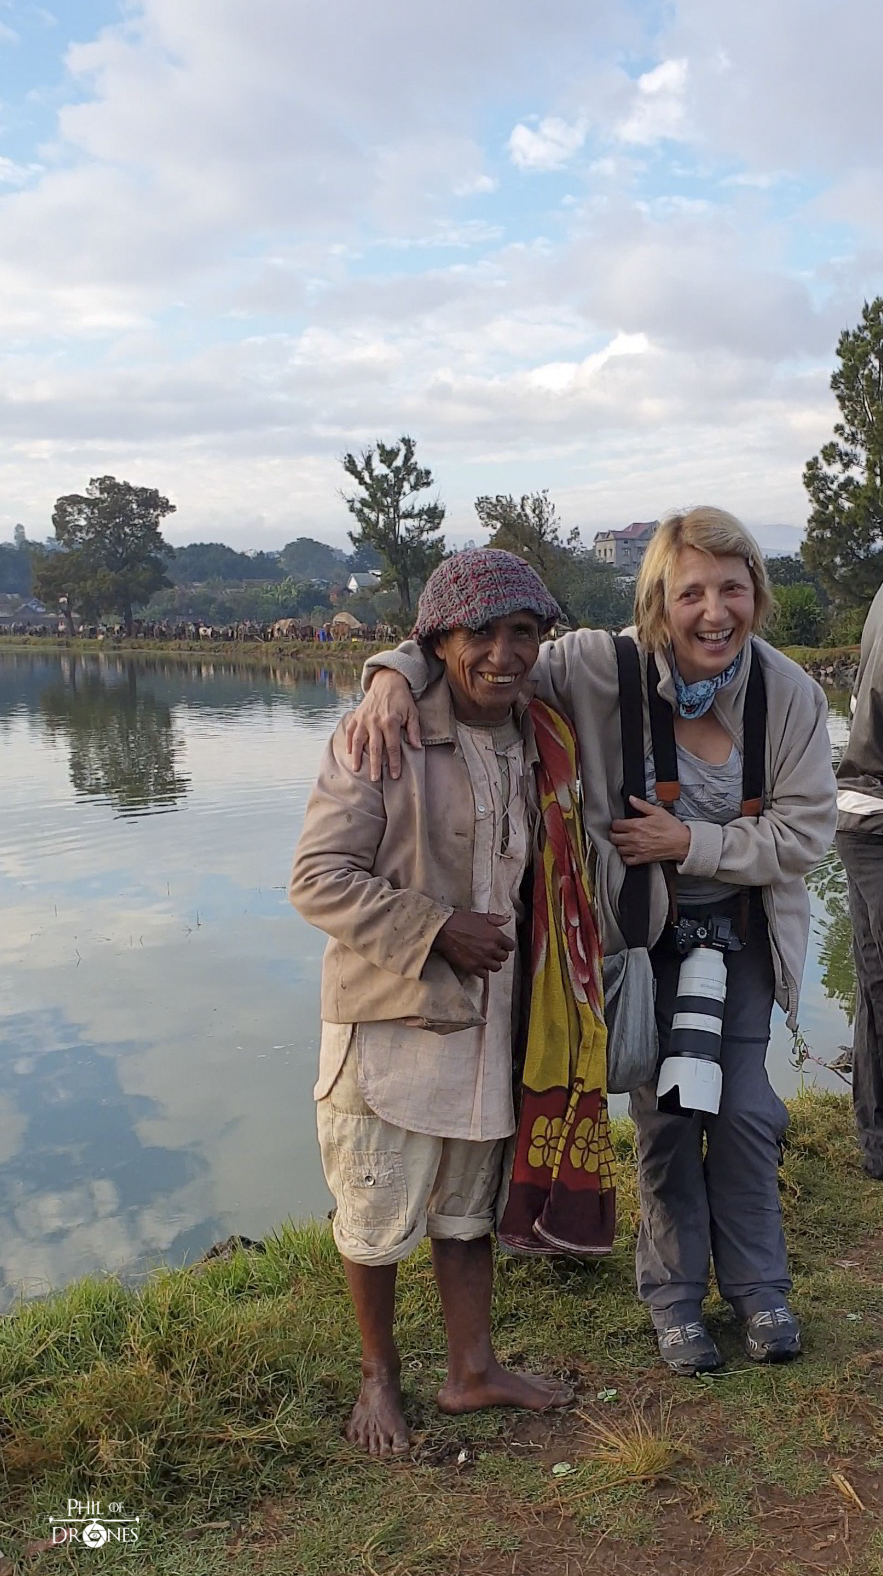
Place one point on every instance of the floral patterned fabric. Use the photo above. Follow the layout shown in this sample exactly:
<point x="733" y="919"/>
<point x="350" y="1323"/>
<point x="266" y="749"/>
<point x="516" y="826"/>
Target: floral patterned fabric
<point x="562" y="1193"/>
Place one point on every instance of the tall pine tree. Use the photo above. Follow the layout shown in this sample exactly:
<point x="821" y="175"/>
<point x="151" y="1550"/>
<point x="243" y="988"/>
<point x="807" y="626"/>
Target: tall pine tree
<point x="404" y="531"/>
<point x="844" y="537"/>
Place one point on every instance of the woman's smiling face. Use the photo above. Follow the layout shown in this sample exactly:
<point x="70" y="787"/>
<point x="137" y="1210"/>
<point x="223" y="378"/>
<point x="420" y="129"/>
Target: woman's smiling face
<point x="709" y="611"/>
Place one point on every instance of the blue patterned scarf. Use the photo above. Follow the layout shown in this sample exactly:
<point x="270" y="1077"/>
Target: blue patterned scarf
<point x="694" y="700"/>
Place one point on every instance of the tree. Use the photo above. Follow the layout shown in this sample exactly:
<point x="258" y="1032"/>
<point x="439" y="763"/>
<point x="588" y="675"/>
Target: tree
<point x="844" y="537"/>
<point x="113" y="553"/>
<point x="15" y="569"/>
<point x="20" y="536"/>
<point x="800" y="615"/>
<point x="529" y="526"/>
<point x="307" y="559"/>
<point x="403" y="531"/>
<point x="200" y="562"/>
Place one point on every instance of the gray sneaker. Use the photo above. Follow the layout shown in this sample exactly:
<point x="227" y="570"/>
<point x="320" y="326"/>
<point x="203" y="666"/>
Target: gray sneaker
<point x="773" y="1336"/>
<point x="688" y="1349"/>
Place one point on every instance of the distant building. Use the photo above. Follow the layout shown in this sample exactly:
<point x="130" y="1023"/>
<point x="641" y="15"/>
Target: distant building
<point x="368" y="581"/>
<point x="625" y="549"/>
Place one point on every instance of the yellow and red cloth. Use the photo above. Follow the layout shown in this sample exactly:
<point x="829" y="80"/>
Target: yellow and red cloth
<point x="562" y="1193"/>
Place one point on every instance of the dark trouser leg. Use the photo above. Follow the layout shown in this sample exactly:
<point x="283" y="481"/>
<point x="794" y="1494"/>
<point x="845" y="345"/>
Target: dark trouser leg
<point x="742" y="1148"/>
<point x="674" y="1242"/>
<point x="727" y="1204"/>
<point x="863" y="861"/>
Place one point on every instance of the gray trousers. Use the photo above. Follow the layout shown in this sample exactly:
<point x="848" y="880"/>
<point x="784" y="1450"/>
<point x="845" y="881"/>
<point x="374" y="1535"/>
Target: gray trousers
<point x="709" y="1184"/>
<point x="862" y="857"/>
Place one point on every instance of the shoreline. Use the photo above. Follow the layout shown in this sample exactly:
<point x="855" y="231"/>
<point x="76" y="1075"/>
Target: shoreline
<point x="833" y="666"/>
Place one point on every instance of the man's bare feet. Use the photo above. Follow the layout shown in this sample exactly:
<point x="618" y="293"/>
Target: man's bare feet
<point x="377" y="1422"/>
<point x="499" y="1386"/>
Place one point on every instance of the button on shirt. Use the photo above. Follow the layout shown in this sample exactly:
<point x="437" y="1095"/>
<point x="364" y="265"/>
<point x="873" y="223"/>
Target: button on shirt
<point x="460" y="1085"/>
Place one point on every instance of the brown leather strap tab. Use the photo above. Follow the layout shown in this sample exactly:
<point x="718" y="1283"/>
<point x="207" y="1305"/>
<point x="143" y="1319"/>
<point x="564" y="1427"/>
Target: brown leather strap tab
<point x="668" y="793"/>
<point x="752" y="806"/>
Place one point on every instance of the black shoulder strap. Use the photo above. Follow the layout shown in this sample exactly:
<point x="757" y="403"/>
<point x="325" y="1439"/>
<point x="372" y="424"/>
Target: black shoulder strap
<point x="662" y="733"/>
<point x="634" y="898"/>
<point x="754" y="738"/>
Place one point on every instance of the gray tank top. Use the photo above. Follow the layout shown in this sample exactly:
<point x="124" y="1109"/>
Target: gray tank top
<point x="708" y="793"/>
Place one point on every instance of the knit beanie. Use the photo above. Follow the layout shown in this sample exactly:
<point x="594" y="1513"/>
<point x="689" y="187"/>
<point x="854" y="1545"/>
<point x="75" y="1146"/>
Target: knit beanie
<point x="469" y="589"/>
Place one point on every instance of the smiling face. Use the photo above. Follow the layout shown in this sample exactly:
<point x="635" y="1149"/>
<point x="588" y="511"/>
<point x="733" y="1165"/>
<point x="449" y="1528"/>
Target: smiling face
<point x="486" y="668"/>
<point x="709" y="611"/>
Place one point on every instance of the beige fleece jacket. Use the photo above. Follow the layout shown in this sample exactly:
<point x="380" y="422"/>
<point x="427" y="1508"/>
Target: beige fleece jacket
<point x="773" y="851"/>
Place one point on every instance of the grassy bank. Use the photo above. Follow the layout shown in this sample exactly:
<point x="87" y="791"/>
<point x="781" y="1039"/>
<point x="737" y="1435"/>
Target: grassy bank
<point x="211" y="1404"/>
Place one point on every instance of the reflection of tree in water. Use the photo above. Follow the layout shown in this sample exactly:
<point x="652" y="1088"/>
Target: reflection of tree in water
<point x="828" y="882"/>
<point x="121" y="741"/>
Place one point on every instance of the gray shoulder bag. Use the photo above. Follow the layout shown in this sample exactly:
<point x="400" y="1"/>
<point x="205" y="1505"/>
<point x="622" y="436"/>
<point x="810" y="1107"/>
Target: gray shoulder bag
<point x="629" y="986"/>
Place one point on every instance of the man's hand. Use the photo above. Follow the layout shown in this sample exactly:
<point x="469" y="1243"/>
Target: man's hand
<point x="650" y="837"/>
<point x="378" y="721"/>
<point x="474" y="943"/>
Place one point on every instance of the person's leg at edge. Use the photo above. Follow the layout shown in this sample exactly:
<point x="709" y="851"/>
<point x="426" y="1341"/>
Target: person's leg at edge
<point x="377" y="1422"/>
<point x="464" y="1273"/>
<point x="862" y="858"/>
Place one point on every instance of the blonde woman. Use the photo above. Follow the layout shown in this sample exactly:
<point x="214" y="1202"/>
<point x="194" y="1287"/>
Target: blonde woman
<point x="709" y="1184"/>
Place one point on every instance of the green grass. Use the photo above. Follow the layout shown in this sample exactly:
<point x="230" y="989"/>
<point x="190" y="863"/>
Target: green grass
<point x="219" y="1397"/>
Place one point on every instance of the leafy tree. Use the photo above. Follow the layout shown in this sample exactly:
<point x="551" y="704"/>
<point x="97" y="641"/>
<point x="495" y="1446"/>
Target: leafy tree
<point x="530" y="527"/>
<point x="307" y="559"/>
<point x="402" y="530"/>
<point x="20" y="536"/>
<point x="800" y="616"/>
<point x="844" y="538"/>
<point x="200" y="562"/>
<point x="15" y="569"/>
<point x="113" y="552"/>
<point x="789" y="569"/>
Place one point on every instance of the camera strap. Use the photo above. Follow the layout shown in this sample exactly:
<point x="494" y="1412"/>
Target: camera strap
<point x="635" y="897"/>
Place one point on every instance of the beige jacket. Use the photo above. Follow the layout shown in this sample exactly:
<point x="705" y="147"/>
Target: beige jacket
<point x="381" y="866"/>
<point x="774" y="851"/>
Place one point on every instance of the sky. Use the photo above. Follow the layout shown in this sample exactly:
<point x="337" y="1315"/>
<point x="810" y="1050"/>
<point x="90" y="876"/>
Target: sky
<point x="599" y="247"/>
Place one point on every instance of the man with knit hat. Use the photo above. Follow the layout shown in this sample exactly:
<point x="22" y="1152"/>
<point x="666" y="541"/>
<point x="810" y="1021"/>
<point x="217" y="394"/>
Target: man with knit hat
<point x="417" y="881"/>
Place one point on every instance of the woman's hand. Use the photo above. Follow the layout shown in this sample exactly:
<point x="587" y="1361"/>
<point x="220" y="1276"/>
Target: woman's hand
<point x="378" y="721"/>
<point x="650" y="837"/>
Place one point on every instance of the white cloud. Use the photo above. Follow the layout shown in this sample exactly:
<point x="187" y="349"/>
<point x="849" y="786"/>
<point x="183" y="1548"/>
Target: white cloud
<point x="552" y="145"/>
<point x="658" y="109"/>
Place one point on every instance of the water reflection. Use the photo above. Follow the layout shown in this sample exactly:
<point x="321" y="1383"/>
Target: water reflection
<point x="828" y="882"/>
<point x="158" y="995"/>
<point x="122" y="744"/>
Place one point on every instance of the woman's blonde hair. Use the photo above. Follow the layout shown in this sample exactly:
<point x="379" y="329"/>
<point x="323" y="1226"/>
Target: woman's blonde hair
<point x="711" y="531"/>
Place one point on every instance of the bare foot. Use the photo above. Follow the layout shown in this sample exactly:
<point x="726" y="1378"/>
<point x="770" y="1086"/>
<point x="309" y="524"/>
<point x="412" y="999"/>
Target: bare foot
<point x="377" y="1422"/>
<point x="499" y="1386"/>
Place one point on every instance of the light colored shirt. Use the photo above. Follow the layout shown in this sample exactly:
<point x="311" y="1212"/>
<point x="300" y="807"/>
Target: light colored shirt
<point x="460" y="1085"/>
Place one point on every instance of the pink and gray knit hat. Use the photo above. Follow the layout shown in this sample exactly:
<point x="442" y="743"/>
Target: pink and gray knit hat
<point x="469" y="589"/>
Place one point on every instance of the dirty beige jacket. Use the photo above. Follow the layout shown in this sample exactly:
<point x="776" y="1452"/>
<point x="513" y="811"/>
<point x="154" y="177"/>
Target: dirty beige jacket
<point x="381" y="866"/>
<point x="773" y="851"/>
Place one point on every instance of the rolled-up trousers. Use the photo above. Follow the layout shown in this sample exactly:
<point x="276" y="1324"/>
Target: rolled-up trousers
<point x="862" y="857"/>
<point x="709" y="1184"/>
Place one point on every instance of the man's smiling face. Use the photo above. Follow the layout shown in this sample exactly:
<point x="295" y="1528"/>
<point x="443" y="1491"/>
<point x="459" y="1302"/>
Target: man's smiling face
<point x="486" y="668"/>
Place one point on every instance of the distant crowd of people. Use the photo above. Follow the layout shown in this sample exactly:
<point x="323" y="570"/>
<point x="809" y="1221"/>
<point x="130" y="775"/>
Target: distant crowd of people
<point x="193" y="630"/>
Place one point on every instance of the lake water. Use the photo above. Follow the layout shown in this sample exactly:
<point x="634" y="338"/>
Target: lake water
<point x="158" y="995"/>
